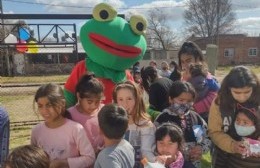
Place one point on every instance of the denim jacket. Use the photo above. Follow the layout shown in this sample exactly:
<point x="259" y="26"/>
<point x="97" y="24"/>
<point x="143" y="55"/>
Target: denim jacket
<point x="4" y="135"/>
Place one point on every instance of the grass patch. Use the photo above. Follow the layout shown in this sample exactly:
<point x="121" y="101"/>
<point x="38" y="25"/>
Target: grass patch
<point x="19" y="137"/>
<point x="7" y="99"/>
<point x="206" y="160"/>
<point x="34" y="79"/>
<point x="19" y="107"/>
<point x="226" y="69"/>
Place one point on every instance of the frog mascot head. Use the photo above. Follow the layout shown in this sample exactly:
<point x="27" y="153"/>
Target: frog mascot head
<point x="112" y="46"/>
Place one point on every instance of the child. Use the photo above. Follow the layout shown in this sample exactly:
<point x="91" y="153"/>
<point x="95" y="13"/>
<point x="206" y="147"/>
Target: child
<point x="137" y="75"/>
<point x="181" y="97"/>
<point x="141" y="130"/>
<point x="247" y="127"/>
<point x="169" y="145"/>
<point x="64" y="140"/>
<point x="89" y="92"/>
<point x="28" y="156"/>
<point x="157" y="88"/>
<point x="240" y="86"/>
<point x="175" y="71"/>
<point x="118" y="153"/>
<point x="198" y="78"/>
<point x="165" y="71"/>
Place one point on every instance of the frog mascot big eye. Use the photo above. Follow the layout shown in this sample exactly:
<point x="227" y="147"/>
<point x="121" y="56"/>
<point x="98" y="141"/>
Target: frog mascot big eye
<point x="112" y="46"/>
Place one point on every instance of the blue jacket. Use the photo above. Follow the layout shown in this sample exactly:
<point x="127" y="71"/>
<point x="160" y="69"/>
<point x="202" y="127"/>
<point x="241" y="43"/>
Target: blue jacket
<point x="4" y="135"/>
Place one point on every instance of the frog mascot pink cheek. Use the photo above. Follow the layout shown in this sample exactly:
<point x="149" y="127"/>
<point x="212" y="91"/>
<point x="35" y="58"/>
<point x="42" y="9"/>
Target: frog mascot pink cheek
<point x="112" y="46"/>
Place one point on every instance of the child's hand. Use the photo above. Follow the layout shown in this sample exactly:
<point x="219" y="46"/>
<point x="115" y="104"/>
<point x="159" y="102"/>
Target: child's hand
<point x="255" y="154"/>
<point x="238" y="147"/>
<point x="162" y="159"/>
<point x="195" y="153"/>
<point x="59" y="164"/>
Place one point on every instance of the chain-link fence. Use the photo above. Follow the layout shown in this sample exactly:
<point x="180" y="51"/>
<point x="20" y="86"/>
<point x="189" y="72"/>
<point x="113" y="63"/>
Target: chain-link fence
<point x="33" y="70"/>
<point x="18" y="101"/>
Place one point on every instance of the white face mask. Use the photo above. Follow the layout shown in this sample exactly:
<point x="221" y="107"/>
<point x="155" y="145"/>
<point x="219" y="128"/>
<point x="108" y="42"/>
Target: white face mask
<point x="244" y="130"/>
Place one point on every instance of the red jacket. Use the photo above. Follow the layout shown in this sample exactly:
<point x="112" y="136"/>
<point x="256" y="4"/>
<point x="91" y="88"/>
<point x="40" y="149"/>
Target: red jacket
<point x="81" y="69"/>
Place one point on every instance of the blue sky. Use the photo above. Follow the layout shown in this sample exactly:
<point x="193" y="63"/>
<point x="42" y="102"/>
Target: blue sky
<point x="247" y="11"/>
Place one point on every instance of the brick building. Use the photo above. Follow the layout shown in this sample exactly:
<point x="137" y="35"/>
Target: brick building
<point x="234" y="48"/>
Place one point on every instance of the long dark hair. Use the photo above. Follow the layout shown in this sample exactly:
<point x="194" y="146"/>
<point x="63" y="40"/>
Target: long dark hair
<point x="238" y="77"/>
<point x="89" y="86"/>
<point x="54" y="94"/>
<point x="190" y="48"/>
<point x="176" y="73"/>
<point x="148" y="75"/>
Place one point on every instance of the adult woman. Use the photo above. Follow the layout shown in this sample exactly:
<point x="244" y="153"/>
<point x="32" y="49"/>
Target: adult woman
<point x="240" y="89"/>
<point x="190" y="53"/>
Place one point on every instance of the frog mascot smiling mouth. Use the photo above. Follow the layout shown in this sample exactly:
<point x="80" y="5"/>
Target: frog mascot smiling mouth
<point x="113" y="45"/>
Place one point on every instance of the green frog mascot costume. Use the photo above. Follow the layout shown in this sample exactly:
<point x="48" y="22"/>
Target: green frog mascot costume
<point x="113" y="45"/>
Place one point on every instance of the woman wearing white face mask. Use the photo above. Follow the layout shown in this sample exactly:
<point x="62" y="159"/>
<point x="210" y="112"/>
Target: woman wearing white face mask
<point x="240" y="89"/>
<point x="181" y="98"/>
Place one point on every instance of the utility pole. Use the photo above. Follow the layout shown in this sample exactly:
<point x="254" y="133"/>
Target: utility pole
<point x="1" y="12"/>
<point x="6" y="50"/>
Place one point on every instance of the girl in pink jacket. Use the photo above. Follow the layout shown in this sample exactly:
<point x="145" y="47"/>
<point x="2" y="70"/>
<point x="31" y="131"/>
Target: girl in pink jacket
<point x="64" y="140"/>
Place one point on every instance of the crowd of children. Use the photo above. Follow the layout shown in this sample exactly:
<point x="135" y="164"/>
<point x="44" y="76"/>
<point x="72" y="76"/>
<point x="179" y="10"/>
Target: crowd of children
<point x="64" y="140"/>
<point x="181" y="98"/>
<point x="195" y="116"/>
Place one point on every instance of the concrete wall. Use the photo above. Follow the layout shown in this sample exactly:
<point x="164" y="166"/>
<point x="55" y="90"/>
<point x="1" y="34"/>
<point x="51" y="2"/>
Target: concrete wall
<point x="37" y="69"/>
<point x="159" y="56"/>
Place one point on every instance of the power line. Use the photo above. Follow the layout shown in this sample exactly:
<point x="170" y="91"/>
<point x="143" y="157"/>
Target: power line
<point x="39" y="3"/>
<point x="140" y="8"/>
<point x="245" y="6"/>
<point x="74" y="6"/>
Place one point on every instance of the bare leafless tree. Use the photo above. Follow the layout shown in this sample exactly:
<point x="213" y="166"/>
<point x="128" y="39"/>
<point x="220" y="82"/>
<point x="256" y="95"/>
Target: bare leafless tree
<point x="208" y="18"/>
<point x="159" y="34"/>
